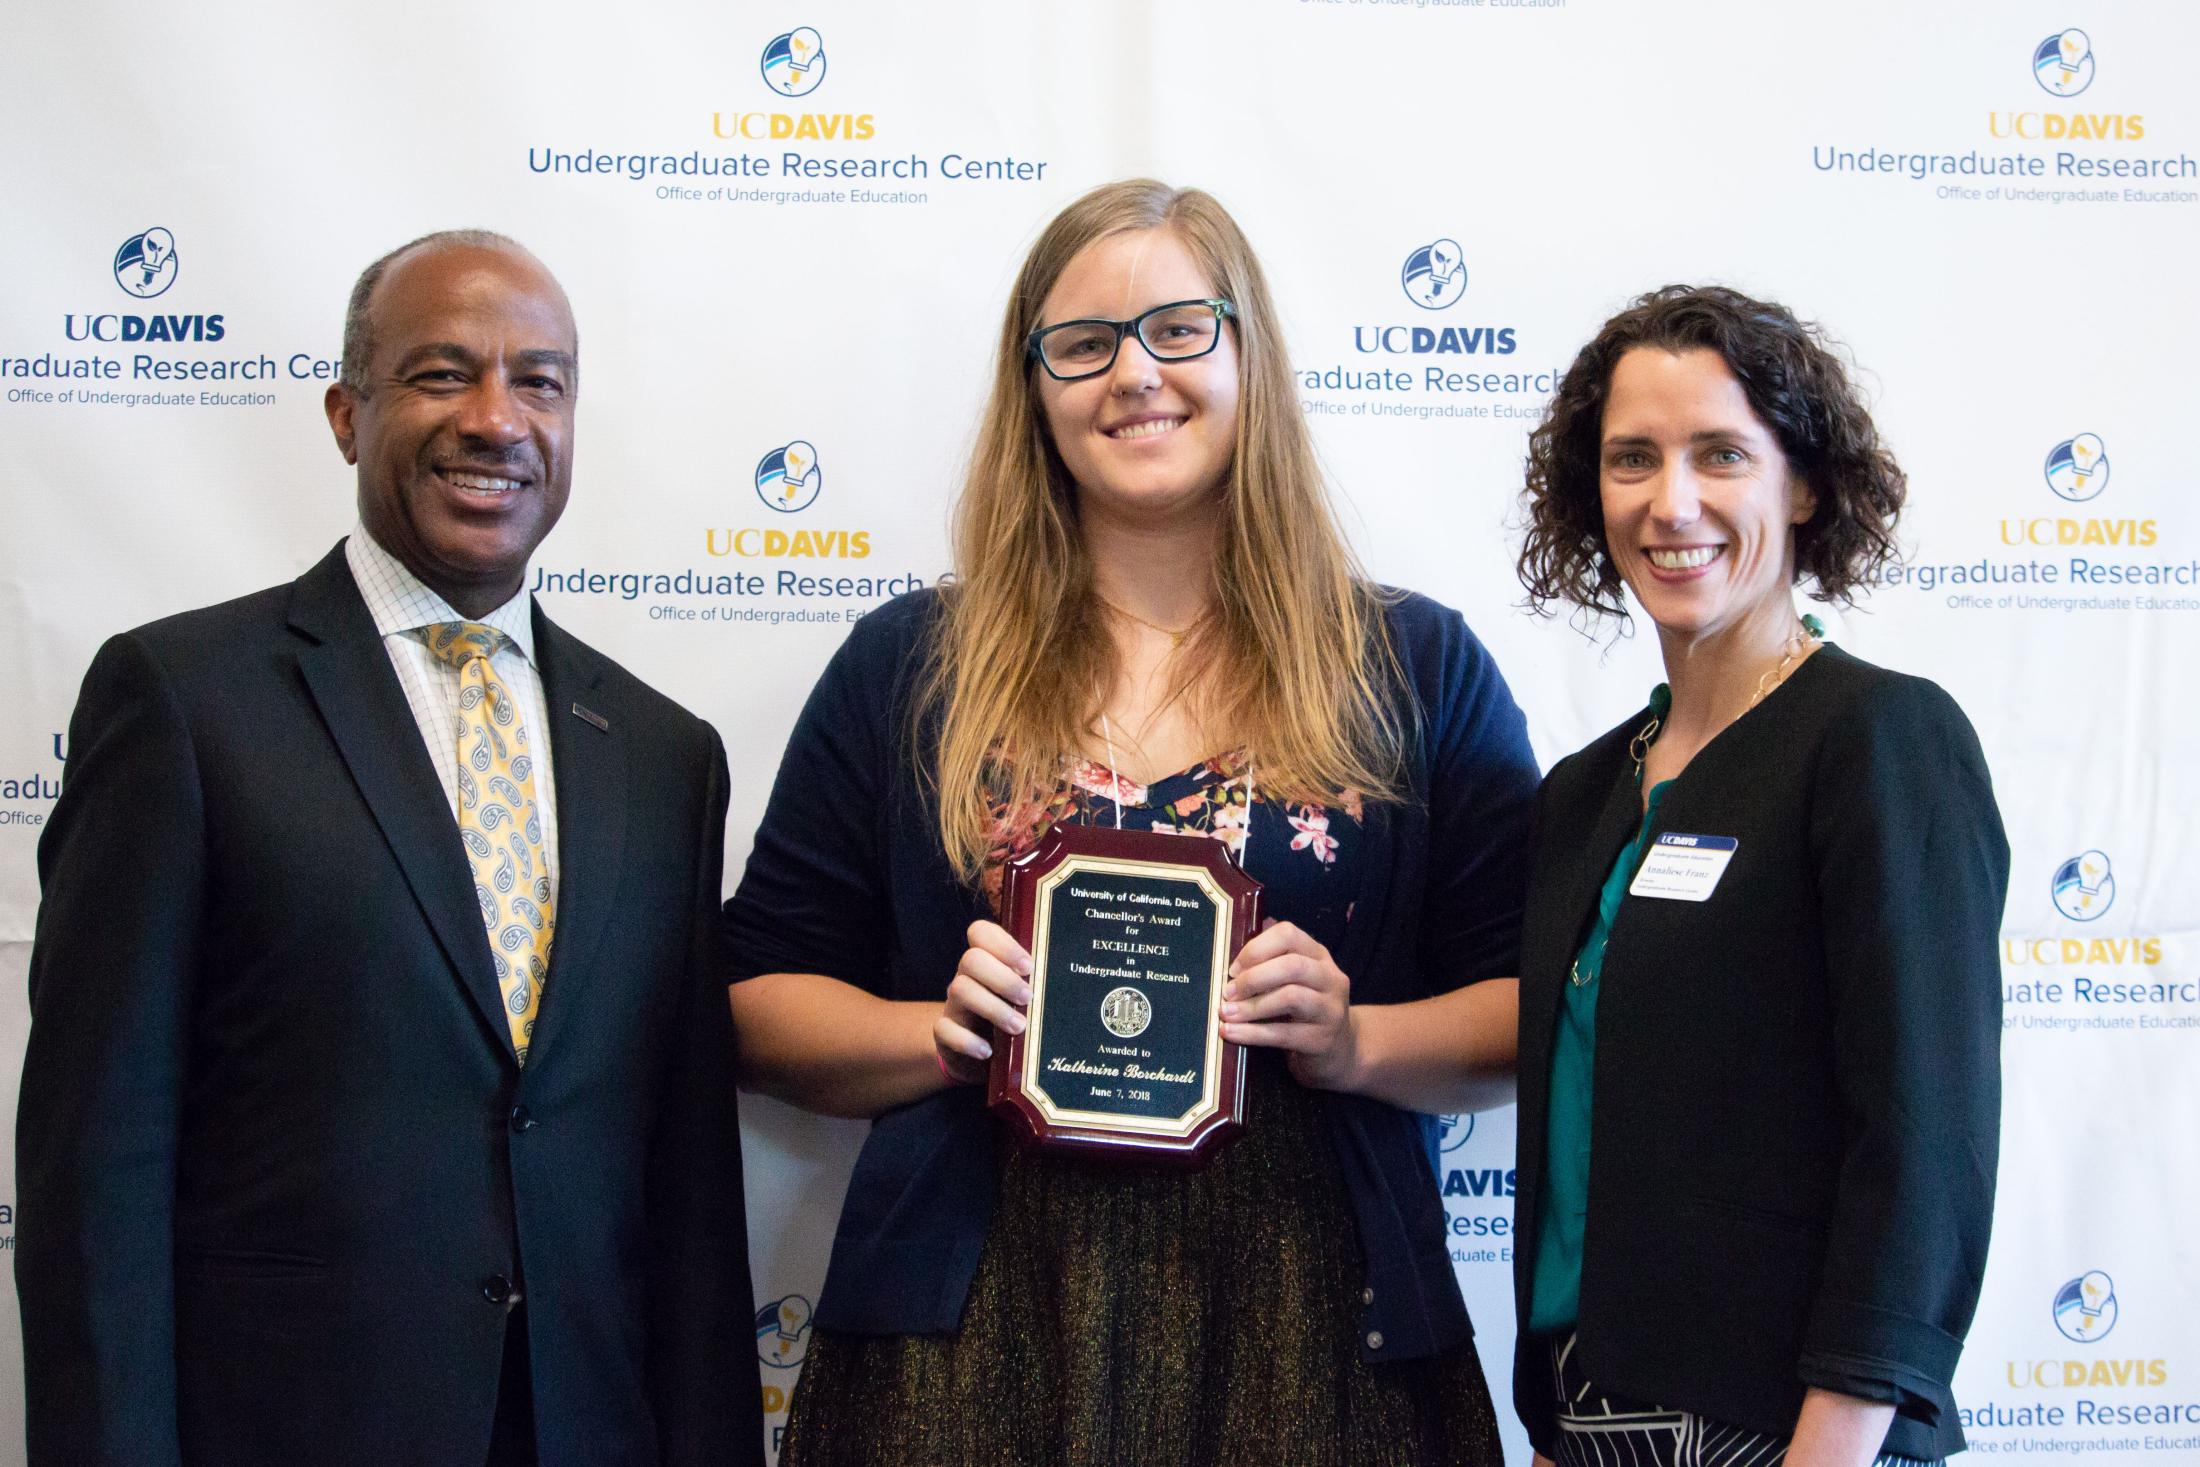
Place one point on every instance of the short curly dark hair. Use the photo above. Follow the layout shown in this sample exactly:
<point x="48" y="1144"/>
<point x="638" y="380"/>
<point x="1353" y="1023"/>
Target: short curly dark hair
<point x="1797" y="387"/>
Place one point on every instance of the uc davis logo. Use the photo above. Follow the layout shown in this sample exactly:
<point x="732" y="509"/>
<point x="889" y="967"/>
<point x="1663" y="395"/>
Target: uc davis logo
<point x="2085" y="1308"/>
<point x="2063" y="63"/>
<point x="788" y="479"/>
<point x="794" y="63"/>
<point x="2084" y="887"/>
<point x="783" y="1332"/>
<point x="145" y="266"/>
<point x="1435" y="275"/>
<point x="1452" y="1131"/>
<point x="2077" y="468"/>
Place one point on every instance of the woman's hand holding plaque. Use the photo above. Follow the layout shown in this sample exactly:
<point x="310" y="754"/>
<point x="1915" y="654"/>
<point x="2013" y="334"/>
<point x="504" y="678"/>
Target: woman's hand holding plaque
<point x="1286" y="992"/>
<point x="987" y="995"/>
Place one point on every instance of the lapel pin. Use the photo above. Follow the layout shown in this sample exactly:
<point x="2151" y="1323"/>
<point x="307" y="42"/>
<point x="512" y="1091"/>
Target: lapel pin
<point x="590" y="715"/>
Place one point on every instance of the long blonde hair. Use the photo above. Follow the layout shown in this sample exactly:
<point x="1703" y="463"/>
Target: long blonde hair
<point x="1295" y="663"/>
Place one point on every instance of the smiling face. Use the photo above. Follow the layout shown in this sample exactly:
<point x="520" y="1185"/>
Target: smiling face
<point x="1700" y="507"/>
<point x="1145" y="438"/>
<point x="463" y="429"/>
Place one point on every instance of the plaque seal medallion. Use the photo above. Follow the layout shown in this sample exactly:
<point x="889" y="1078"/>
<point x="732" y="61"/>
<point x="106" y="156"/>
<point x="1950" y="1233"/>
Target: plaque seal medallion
<point x="1126" y="1012"/>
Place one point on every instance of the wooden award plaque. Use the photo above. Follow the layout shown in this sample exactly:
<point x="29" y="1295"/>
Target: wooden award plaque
<point x="1131" y="934"/>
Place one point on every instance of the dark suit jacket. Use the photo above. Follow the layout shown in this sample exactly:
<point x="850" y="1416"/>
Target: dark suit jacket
<point x="1797" y="1085"/>
<point x="276" y="1159"/>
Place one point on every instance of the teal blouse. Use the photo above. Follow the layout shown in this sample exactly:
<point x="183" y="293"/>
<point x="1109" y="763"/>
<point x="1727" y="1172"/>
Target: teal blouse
<point x="1556" y="1299"/>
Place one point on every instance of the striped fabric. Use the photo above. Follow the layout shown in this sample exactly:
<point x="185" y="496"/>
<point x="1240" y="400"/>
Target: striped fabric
<point x="1597" y="1430"/>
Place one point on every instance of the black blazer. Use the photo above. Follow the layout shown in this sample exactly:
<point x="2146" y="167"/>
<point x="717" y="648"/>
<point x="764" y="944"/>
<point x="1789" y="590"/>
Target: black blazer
<point x="1797" y="1097"/>
<point x="276" y="1159"/>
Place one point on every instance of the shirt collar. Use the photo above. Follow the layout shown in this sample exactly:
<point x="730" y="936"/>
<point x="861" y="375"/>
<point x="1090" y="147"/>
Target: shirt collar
<point x="401" y="602"/>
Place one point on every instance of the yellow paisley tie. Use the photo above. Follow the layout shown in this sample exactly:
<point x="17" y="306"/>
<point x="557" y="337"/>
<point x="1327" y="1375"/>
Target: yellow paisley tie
<point x="500" y="822"/>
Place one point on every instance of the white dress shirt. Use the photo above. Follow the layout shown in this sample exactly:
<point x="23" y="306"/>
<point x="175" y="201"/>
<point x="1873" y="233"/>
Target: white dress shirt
<point x="402" y="608"/>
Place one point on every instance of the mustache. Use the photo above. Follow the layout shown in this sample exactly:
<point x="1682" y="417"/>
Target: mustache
<point x="503" y="461"/>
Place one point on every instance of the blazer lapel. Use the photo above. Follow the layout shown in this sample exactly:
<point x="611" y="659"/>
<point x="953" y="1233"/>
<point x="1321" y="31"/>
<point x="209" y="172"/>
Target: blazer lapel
<point x="1575" y="876"/>
<point x="349" y="675"/>
<point x="1566" y="881"/>
<point x="589" y="739"/>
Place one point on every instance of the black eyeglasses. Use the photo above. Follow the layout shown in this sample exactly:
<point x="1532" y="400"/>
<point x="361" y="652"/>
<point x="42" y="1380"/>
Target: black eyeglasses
<point x="1176" y="332"/>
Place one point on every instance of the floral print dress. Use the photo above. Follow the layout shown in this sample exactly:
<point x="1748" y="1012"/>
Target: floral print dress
<point x="1212" y="800"/>
<point x="1122" y="1316"/>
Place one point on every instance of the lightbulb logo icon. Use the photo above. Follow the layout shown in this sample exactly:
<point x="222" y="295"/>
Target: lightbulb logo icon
<point x="1435" y="275"/>
<point x="788" y="479"/>
<point x="783" y="1332"/>
<point x="2077" y="468"/>
<point x="2063" y="63"/>
<point x="794" y="64"/>
<point x="145" y="266"/>
<point x="2084" y="887"/>
<point x="2085" y="1308"/>
<point x="1452" y="1131"/>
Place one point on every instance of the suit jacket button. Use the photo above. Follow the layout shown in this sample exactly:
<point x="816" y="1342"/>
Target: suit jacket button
<point x="1367" y="1296"/>
<point x="1374" y="1339"/>
<point x="521" y="1120"/>
<point x="497" y="1289"/>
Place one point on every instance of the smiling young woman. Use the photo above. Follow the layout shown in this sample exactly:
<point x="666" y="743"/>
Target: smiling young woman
<point x="1283" y="641"/>
<point x="1156" y="625"/>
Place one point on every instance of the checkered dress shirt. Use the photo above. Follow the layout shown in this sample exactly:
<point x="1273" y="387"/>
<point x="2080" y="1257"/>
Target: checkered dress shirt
<point x="402" y="607"/>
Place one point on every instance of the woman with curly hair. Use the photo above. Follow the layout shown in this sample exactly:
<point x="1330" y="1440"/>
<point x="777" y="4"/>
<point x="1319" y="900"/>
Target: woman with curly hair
<point x="1155" y="626"/>
<point x="1760" y="993"/>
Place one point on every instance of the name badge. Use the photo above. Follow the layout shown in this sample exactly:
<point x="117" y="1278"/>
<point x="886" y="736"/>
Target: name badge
<point x="1683" y="868"/>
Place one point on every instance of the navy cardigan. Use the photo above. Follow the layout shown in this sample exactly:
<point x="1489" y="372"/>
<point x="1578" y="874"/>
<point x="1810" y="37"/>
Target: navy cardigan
<point x="847" y="878"/>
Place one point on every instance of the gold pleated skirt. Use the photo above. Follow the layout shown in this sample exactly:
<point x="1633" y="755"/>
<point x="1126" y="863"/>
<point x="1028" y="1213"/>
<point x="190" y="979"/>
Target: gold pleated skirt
<point x="1122" y="1318"/>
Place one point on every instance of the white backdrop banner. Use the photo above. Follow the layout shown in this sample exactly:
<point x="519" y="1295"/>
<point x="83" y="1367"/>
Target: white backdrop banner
<point x="1988" y="203"/>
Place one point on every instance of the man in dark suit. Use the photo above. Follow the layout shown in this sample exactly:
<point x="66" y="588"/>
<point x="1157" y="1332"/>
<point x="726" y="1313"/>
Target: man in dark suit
<point x="377" y="1107"/>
